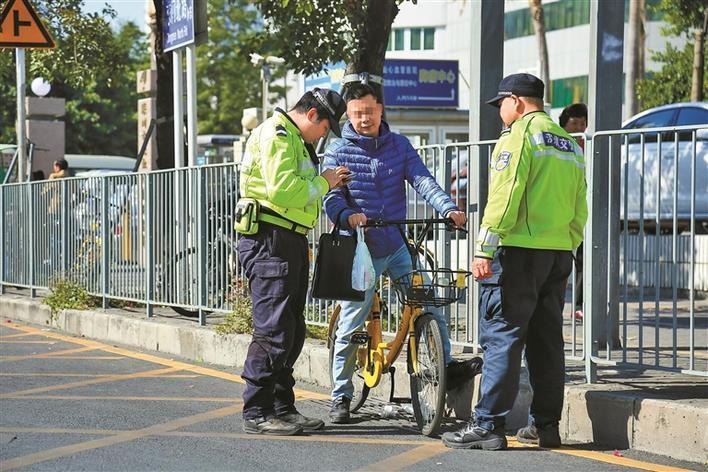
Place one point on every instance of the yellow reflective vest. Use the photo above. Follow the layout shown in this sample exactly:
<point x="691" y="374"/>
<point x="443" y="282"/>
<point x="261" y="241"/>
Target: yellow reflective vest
<point x="536" y="189"/>
<point x="277" y="170"/>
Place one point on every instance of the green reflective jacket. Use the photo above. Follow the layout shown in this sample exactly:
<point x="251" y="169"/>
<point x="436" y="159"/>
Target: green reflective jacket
<point x="277" y="170"/>
<point x="536" y="189"/>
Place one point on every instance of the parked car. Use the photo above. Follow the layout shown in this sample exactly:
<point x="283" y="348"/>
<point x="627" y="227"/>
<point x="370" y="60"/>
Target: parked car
<point x="661" y="171"/>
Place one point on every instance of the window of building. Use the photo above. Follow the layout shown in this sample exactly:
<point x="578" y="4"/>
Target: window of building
<point x="398" y="39"/>
<point x="429" y="38"/>
<point x="415" y="38"/>
<point x="569" y="90"/>
<point x="558" y="15"/>
<point x="395" y="40"/>
<point x="563" y="14"/>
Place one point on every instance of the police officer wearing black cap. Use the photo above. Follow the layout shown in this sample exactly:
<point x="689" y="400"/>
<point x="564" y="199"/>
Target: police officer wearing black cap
<point x="281" y="202"/>
<point x="533" y="220"/>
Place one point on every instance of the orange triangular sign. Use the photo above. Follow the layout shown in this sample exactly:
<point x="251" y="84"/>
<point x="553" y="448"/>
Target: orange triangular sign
<point x="20" y="27"/>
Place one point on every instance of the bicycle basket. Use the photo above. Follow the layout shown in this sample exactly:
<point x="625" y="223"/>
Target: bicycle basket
<point x="437" y="287"/>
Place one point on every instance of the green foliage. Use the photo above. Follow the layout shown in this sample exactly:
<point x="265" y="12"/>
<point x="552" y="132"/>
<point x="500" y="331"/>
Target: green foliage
<point x="317" y="332"/>
<point x="69" y="295"/>
<point x="240" y="320"/>
<point x="93" y="68"/>
<point x="681" y="16"/>
<point x="310" y="34"/>
<point x="228" y="81"/>
<point x="672" y="84"/>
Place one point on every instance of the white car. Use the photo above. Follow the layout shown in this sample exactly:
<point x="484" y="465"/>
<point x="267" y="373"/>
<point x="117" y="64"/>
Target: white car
<point x="658" y="174"/>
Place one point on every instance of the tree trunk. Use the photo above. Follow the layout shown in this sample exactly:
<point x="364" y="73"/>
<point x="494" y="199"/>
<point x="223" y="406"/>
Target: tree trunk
<point x="642" y="40"/>
<point x="634" y="57"/>
<point x="539" y="25"/>
<point x="699" y="60"/>
<point x="165" y="110"/>
<point x="371" y="22"/>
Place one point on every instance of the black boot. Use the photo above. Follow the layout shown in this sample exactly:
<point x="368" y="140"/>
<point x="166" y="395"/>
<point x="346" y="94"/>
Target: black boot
<point x="340" y="410"/>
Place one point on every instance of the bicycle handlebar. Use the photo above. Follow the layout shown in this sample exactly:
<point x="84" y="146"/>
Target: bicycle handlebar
<point x="379" y="222"/>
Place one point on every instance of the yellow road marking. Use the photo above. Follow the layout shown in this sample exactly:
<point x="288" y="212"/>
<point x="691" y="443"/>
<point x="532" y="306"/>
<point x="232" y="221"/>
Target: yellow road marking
<point x="601" y="457"/>
<point x="408" y="458"/>
<point x="16" y="335"/>
<point x="27" y="342"/>
<point x="90" y="358"/>
<point x="425" y="449"/>
<point x="44" y="355"/>
<point x="315" y="437"/>
<point x="126" y="398"/>
<point x="299" y="394"/>
<point x="623" y="461"/>
<point x="83" y="383"/>
<point x="62" y="374"/>
<point x="29" y="459"/>
<point x="9" y="429"/>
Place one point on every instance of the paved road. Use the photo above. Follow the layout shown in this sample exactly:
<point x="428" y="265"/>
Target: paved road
<point x="74" y="404"/>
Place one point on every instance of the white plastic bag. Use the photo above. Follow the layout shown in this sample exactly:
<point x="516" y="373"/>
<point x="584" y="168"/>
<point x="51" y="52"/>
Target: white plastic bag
<point x="363" y="273"/>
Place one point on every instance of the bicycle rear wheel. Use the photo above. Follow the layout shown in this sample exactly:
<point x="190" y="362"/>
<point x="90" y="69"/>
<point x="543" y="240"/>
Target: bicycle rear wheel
<point x="361" y="391"/>
<point x="428" y="375"/>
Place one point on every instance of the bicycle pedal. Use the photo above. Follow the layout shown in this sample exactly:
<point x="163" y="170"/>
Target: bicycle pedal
<point x="360" y="337"/>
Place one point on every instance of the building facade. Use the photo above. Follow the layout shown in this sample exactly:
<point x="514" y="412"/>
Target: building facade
<point x="440" y="30"/>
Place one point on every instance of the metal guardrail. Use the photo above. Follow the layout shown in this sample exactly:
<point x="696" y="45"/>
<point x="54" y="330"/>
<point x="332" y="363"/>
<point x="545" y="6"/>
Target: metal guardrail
<point x="648" y="218"/>
<point x="165" y="238"/>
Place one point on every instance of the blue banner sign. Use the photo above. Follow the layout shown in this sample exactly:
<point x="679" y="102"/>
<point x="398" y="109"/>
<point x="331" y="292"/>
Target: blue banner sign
<point x="407" y="82"/>
<point x="421" y="83"/>
<point x="177" y="24"/>
<point x="330" y="77"/>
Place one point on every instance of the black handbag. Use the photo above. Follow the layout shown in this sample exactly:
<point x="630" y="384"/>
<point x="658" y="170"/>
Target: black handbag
<point x="332" y="279"/>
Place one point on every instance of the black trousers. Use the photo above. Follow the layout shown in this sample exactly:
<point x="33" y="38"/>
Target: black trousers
<point x="522" y="305"/>
<point x="275" y="261"/>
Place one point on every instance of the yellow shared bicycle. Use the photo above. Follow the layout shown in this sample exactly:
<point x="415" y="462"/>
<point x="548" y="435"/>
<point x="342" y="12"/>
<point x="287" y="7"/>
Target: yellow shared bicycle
<point x="429" y="286"/>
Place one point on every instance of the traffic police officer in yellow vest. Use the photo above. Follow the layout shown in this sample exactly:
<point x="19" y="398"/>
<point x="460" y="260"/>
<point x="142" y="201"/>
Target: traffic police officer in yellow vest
<point x="533" y="220"/>
<point x="281" y="200"/>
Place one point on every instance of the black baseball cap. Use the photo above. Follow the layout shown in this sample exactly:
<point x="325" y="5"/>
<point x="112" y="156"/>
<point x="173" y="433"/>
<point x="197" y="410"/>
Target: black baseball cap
<point x="521" y="85"/>
<point x="335" y="106"/>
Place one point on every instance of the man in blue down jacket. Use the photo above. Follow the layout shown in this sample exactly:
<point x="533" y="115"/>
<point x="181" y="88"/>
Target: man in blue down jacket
<point x="381" y="162"/>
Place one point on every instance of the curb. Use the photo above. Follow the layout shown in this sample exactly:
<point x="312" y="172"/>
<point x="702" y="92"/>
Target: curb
<point x="611" y="415"/>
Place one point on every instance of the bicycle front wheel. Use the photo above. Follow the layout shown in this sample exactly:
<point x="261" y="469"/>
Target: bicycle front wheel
<point x="427" y="363"/>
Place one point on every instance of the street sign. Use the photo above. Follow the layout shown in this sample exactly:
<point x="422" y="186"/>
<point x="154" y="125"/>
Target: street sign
<point x="20" y="27"/>
<point x="421" y="83"/>
<point x="407" y="82"/>
<point x="178" y="24"/>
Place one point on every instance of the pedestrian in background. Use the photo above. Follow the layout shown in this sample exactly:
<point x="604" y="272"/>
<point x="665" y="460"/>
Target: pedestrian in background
<point x="574" y="119"/>
<point x="279" y="171"/>
<point x="533" y="220"/>
<point x="382" y="162"/>
<point x="61" y="170"/>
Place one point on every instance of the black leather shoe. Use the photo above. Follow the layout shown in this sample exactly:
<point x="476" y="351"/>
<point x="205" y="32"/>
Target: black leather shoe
<point x="458" y="372"/>
<point x="472" y="436"/>
<point x="340" y="410"/>
<point x="271" y="426"/>
<point x="307" y="424"/>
